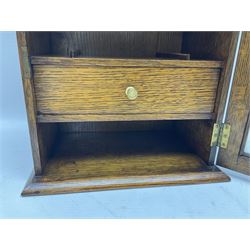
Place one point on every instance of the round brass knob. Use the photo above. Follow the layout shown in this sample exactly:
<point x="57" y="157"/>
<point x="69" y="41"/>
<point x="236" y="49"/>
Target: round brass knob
<point x="131" y="93"/>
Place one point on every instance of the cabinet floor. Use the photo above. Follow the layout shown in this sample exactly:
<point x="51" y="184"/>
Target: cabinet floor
<point x="220" y="200"/>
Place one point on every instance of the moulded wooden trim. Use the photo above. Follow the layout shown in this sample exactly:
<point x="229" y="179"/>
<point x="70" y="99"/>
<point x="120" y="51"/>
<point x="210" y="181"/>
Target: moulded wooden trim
<point x="37" y="186"/>
<point x="128" y="62"/>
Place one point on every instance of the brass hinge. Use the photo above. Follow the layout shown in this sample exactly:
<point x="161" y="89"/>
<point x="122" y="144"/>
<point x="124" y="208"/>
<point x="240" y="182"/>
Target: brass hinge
<point x="220" y="135"/>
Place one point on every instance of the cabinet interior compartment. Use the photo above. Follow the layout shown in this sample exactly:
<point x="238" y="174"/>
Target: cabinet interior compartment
<point x="155" y="149"/>
<point x="163" y="45"/>
<point x="87" y="156"/>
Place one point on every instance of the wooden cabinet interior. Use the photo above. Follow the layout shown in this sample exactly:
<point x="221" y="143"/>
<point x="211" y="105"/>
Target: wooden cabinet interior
<point x="74" y="153"/>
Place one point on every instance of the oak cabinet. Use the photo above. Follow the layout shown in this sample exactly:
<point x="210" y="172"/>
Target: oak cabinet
<point x="110" y="110"/>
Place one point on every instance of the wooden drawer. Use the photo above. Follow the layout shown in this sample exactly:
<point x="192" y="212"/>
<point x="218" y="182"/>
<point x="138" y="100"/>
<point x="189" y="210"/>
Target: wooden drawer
<point x="97" y="87"/>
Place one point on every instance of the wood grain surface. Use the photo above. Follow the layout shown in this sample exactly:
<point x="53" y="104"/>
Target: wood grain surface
<point x="125" y="44"/>
<point x="63" y="82"/>
<point x="212" y="46"/>
<point x="121" y="62"/>
<point x="80" y="127"/>
<point x="100" y="91"/>
<point x="57" y="118"/>
<point x="197" y="134"/>
<point x="238" y="112"/>
<point x="109" y="160"/>
<point x="39" y="186"/>
<point x="41" y="136"/>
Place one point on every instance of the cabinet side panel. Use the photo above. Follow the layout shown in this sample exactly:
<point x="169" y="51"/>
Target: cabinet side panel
<point x="197" y="135"/>
<point x="29" y="99"/>
<point x="212" y="46"/>
<point x="47" y="138"/>
<point x="32" y="43"/>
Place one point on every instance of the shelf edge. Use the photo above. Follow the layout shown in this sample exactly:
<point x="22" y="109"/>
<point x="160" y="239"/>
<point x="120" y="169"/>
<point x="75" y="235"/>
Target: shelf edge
<point x="44" y="118"/>
<point x="122" y="62"/>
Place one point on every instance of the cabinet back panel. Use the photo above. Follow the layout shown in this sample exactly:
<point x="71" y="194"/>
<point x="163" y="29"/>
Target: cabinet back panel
<point x="114" y="44"/>
<point x="78" y="127"/>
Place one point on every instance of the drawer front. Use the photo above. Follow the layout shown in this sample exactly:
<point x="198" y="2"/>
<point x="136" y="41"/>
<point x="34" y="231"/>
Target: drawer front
<point x="101" y="90"/>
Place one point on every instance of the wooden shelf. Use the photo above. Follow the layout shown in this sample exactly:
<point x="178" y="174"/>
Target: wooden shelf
<point x="45" y="118"/>
<point x="124" y="62"/>
<point x="110" y="160"/>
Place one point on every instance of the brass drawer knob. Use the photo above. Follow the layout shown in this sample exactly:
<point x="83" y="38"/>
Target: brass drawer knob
<point x="131" y="93"/>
